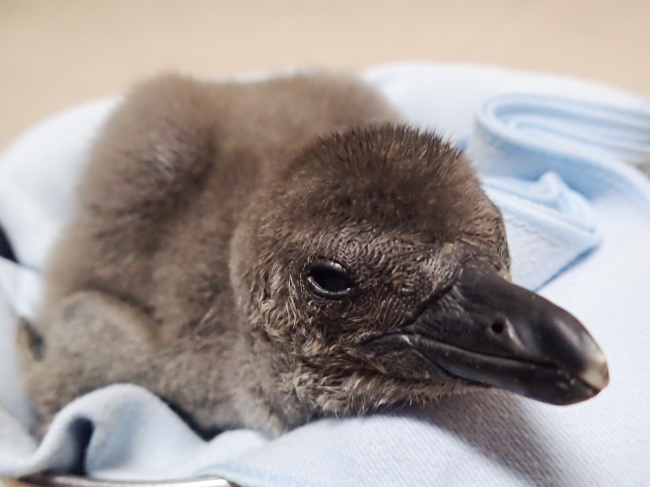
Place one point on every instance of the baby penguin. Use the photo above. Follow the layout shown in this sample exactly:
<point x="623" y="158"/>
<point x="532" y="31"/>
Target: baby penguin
<point x="265" y="253"/>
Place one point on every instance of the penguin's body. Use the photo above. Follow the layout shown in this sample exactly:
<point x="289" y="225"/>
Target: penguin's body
<point x="261" y="254"/>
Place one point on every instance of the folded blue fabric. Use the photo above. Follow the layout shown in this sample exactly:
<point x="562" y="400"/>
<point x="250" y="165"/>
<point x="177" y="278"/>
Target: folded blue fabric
<point x="576" y="214"/>
<point x="524" y="136"/>
<point x="521" y="142"/>
<point x="548" y="225"/>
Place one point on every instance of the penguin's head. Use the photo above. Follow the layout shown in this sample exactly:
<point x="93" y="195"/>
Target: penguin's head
<point x="374" y="270"/>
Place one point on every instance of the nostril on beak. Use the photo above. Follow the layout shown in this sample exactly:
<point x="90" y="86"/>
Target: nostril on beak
<point x="497" y="327"/>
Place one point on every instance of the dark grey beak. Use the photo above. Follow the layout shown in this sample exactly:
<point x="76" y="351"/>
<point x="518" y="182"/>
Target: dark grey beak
<point x="490" y="331"/>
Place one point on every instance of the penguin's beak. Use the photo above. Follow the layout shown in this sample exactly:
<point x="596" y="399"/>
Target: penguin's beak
<point x="487" y="330"/>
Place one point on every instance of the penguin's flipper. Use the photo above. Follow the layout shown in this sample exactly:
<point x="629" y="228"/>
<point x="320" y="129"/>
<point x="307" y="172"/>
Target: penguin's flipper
<point x="94" y="338"/>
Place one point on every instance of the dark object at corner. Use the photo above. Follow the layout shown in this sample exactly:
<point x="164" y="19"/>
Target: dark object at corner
<point x="5" y="247"/>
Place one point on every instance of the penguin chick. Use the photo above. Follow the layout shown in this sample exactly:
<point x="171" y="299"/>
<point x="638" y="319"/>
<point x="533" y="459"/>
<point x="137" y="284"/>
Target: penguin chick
<point x="262" y="254"/>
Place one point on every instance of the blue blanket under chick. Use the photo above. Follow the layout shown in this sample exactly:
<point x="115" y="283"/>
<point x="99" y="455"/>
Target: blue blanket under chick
<point x="555" y="154"/>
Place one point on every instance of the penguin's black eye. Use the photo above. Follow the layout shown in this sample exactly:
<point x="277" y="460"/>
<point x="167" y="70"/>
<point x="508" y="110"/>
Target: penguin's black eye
<point x="329" y="279"/>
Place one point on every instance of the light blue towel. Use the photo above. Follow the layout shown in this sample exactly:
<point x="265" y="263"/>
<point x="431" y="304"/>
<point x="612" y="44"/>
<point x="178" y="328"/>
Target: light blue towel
<point x="524" y="136"/>
<point x="548" y="225"/>
<point x="575" y="212"/>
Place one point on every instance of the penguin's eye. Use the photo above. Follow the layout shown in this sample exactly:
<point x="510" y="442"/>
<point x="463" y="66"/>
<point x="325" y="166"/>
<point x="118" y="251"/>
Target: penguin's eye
<point x="329" y="279"/>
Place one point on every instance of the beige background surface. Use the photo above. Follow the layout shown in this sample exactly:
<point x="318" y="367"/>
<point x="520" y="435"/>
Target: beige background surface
<point x="54" y="53"/>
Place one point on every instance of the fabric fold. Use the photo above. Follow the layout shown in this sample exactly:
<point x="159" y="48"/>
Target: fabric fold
<point x="548" y="225"/>
<point x="542" y="158"/>
<point x="591" y="146"/>
<point x="122" y="432"/>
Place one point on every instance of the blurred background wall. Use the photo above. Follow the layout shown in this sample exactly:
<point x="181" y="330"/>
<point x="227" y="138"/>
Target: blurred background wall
<point x="54" y="53"/>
